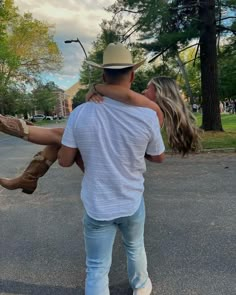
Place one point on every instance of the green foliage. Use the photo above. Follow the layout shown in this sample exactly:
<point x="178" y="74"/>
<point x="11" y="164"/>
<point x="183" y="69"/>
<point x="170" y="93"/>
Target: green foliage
<point x="8" y="59"/>
<point x="32" y="41"/>
<point x="144" y="75"/>
<point x="79" y="98"/>
<point x="24" y="104"/>
<point x="193" y="71"/>
<point x="140" y="81"/>
<point x="2" y="27"/>
<point x="227" y="71"/>
<point x="45" y="97"/>
<point x="229" y="3"/>
<point x="8" y="101"/>
<point x="163" y="22"/>
<point x="27" y="49"/>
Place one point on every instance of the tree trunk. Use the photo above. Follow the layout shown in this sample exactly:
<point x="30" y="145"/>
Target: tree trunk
<point x="211" y="119"/>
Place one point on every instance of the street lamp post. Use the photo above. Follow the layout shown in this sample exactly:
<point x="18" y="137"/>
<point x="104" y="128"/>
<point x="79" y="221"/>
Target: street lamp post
<point x="78" y="41"/>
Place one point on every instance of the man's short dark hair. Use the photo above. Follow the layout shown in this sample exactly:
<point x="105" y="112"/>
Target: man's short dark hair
<point x="113" y="75"/>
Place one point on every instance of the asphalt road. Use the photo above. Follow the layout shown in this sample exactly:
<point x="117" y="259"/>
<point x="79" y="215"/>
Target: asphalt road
<point x="190" y="228"/>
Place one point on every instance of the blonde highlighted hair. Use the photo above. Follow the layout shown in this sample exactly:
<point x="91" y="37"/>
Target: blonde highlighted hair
<point x="181" y="129"/>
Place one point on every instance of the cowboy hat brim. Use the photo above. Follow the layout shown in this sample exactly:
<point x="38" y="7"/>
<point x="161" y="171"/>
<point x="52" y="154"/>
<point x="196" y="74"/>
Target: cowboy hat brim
<point x="115" y="66"/>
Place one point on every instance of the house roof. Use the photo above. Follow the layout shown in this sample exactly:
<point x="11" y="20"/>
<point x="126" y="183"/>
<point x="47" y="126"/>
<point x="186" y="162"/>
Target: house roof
<point x="71" y="92"/>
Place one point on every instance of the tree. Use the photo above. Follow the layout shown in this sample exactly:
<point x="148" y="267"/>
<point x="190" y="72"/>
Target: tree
<point x="227" y="70"/>
<point x="45" y="97"/>
<point x="7" y="59"/>
<point x="169" y="26"/>
<point x="32" y="41"/>
<point x="79" y="98"/>
<point x="209" y="74"/>
<point x="27" y="48"/>
<point x="144" y="74"/>
<point x="24" y="104"/>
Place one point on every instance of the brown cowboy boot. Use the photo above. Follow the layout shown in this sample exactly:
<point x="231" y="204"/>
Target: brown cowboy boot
<point x="37" y="168"/>
<point x="15" y="127"/>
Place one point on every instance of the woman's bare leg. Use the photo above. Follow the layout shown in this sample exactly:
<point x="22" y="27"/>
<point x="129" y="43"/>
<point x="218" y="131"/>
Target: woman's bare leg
<point x="23" y="129"/>
<point x="45" y="136"/>
<point x="42" y="161"/>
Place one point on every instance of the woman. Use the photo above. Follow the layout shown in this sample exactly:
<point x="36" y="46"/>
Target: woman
<point x="162" y="95"/>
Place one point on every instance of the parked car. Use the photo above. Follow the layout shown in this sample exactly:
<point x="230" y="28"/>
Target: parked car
<point x="36" y="118"/>
<point x="48" y="118"/>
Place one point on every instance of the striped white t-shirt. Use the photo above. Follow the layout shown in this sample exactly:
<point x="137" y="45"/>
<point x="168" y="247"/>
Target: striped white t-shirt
<point x="113" y="138"/>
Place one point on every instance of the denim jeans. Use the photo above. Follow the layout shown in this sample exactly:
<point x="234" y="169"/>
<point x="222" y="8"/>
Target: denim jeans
<point x="99" y="238"/>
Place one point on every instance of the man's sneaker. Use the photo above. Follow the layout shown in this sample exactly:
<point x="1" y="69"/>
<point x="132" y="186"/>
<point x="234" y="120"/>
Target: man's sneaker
<point x="146" y="290"/>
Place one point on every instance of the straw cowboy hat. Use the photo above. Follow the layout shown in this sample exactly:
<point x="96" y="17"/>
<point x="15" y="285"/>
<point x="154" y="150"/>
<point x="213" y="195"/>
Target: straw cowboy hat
<point x="116" y="56"/>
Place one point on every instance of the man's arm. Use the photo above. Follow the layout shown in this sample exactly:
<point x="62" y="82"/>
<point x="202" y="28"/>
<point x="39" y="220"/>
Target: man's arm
<point x="68" y="151"/>
<point x="66" y="156"/>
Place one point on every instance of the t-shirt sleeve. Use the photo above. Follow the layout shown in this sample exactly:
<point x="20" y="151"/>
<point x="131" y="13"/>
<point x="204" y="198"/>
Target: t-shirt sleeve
<point x="156" y="145"/>
<point x="68" y="138"/>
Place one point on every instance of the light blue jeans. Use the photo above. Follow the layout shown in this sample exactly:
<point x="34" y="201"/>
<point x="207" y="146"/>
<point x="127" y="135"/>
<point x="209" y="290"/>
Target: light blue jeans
<point x="99" y="238"/>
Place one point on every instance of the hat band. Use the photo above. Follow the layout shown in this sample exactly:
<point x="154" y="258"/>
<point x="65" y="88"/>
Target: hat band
<point x="117" y="64"/>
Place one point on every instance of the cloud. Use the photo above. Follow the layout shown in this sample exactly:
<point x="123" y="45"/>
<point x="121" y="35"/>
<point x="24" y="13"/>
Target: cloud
<point x="72" y="19"/>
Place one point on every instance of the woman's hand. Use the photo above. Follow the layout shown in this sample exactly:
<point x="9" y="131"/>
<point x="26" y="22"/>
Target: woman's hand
<point x="93" y="96"/>
<point x="97" y="98"/>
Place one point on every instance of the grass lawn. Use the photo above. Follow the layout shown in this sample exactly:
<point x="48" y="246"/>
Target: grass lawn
<point x="220" y="140"/>
<point x="214" y="139"/>
<point x="48" y="122"/>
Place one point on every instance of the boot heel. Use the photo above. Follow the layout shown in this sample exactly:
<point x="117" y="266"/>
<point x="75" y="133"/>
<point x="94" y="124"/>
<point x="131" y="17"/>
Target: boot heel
<point x="27" y="191"/>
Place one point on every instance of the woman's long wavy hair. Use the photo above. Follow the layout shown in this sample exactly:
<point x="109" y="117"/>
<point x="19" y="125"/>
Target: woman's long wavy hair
<point x="181" y="129"/>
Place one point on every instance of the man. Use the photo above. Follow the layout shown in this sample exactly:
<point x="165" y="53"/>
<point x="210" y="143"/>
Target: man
<point x="113" y="139"/>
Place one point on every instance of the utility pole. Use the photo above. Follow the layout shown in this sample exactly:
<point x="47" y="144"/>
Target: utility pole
<point x="78" y="41"/>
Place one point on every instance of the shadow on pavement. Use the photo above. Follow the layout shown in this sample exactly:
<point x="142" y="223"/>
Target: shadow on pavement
<point x="13" y="287"/>
<point x="123" y="288"/>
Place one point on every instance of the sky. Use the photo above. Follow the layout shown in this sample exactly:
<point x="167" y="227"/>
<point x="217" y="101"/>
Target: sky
<point x="72" y="19"/>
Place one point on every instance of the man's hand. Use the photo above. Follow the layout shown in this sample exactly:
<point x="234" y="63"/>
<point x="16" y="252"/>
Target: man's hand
<point x="156" y="159"/>
<point x="66" y="156"/>
<point x="79" y="161"/>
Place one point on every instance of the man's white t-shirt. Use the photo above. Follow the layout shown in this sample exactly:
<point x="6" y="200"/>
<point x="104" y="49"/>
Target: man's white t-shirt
<point x="113" y="138"/>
